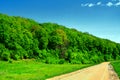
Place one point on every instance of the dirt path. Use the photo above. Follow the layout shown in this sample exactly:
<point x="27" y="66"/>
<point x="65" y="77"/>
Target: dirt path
<point x="97" y="72"/>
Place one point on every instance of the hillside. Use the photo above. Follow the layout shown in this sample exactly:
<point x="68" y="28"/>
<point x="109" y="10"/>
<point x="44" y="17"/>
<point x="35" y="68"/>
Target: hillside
<point x="22" y="38"/>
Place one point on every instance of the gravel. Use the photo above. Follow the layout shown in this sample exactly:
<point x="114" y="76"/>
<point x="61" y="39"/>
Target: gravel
<point x="112" y="73"/>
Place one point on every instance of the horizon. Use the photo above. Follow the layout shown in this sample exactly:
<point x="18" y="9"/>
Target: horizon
<point x="99" y="18"/>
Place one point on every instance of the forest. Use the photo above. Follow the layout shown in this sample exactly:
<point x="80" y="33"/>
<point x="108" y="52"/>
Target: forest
<point x="51" y="43"/>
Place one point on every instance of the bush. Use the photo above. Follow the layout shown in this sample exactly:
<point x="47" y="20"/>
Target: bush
<point x="10" y="61"/>
<point x="61" y="61"/>
<point x="17" y="57"/>
<point x="5" y="55"/>
<point x="76" y="62"/>
<point x="51" y="60"/>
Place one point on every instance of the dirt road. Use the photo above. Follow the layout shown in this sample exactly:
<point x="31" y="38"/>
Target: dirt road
<point x="97" y="72"/>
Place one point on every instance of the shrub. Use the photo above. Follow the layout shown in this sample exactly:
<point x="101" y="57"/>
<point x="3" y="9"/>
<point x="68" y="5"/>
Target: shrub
<point x="61" y="61"/>
<point x="51" y="60"/>
<point x="17" y="57"/>
<point x="5" y="55"/>
<point x="10" y="61"/>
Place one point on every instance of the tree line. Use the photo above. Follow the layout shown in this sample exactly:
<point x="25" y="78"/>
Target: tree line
<point x="22" y="38"/>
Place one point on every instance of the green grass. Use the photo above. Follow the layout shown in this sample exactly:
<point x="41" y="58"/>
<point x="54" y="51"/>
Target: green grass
<point x="116" y="65"/>
<point x="34" y="70"/>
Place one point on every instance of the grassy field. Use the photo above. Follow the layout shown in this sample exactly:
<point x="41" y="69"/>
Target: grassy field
<point x="34" y="70"/>
<point x="116" y="65"/>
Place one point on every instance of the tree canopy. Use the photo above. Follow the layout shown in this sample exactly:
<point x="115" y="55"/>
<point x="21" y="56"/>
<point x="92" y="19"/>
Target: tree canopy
<point x="22" y="38"/>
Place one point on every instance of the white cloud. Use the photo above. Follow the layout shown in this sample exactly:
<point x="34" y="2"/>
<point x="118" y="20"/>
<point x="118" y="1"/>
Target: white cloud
<point x="91" y="5"/>
<point x="88" y="5"/>
<point x="99" y="3"/>
<point x="83" y="5"/>
<point x="117" y="4"/>
<point x="109" y="4"/>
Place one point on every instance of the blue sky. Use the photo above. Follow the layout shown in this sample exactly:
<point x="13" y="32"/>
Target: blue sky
<point x="98" y="17"/>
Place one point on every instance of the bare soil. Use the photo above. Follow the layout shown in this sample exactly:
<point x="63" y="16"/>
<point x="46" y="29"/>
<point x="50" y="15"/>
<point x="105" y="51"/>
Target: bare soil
<point x="112" y="73"/>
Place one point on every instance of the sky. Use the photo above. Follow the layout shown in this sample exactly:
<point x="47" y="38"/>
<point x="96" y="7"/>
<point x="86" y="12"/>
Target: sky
<point x="98" y="17"/>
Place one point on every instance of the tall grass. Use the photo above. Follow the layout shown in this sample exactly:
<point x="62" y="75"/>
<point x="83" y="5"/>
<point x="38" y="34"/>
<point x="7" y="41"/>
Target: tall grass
<point x="34" y="70"/>
<point x="116" y="65"/>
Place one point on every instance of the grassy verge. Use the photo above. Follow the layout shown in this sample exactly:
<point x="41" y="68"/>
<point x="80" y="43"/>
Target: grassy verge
<point x="34" y="70"/>
<point x="116" y="65"/>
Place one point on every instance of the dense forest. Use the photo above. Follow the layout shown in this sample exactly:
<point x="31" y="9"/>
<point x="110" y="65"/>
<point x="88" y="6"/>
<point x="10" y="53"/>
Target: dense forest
<point x="22" y="38"/>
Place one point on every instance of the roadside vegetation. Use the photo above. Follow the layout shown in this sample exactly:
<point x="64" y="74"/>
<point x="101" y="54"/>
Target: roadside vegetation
<point x="116" y="65"/>
<point x="34" y="70"/>
<point x="22" y="38"/>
